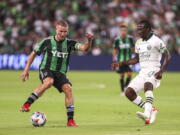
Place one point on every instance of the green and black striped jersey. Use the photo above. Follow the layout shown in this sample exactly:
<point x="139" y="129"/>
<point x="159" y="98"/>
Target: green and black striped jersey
<point x="55" y="53"/>
<point x="123" y="46"/>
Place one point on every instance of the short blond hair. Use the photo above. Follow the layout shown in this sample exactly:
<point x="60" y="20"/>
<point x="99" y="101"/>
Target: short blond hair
<point x="62" y="23"/>
<point x="123" y="25"/>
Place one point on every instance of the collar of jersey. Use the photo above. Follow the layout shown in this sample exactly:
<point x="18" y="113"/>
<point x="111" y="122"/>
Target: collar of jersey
<point x="148" y="37"/>
<point x="58" y="41"/>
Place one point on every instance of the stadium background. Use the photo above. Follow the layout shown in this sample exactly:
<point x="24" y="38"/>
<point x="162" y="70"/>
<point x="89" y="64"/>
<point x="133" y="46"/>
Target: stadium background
<point x="99" y="108"/>
<point x="24" y="23"/>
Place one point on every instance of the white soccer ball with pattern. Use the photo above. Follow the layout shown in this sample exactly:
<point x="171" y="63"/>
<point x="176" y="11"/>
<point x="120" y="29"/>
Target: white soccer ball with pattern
<point x="38" y="119"/>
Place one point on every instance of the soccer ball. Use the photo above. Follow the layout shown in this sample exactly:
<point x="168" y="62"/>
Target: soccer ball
<point x="38" y="119"/>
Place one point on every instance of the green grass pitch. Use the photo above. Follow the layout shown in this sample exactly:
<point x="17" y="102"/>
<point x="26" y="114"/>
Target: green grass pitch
<point x="100" y="110"/>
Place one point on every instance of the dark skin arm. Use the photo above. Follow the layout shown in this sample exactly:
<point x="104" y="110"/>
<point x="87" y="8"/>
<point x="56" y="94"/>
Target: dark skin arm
<point x="166" y="58"/>
<point x="128" y="62"/>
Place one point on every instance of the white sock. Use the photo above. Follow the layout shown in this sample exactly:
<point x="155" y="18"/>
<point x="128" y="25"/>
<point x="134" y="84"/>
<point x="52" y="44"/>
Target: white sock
<point x="149" y="101"/>
<point x="139" y="102"/>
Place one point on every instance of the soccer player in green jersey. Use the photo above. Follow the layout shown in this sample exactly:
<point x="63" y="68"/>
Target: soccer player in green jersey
<point x="52" y="70"/>
<point x="122" y="50"/>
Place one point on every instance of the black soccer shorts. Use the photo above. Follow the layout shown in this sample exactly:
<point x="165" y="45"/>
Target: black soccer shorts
<point x="59" y="78"/>
<point x="124" y="69"/>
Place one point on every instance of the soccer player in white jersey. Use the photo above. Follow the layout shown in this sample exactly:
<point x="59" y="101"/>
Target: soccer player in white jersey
<point x="149" y="51"/>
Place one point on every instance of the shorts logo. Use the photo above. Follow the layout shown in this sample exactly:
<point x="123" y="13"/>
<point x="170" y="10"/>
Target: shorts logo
<point x="45" y="73"/>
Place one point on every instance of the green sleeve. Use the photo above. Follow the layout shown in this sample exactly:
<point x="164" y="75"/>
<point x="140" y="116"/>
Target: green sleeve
<point x="40" y="47"/>
<point x="115" y="44"/>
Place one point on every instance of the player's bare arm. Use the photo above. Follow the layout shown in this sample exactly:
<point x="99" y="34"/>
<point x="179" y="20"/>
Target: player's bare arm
<point x="128" y="62"/>
<point x="166" y="58"/>
<point x="25" y="74"/>
<point x="86" y="46"/>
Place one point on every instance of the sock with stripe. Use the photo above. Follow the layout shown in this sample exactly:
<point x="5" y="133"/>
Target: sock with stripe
<point x="33" y="97"/>
<point x="149" y="102"/>
<point x="70" y="111"/>
<point x="139" y="102"/>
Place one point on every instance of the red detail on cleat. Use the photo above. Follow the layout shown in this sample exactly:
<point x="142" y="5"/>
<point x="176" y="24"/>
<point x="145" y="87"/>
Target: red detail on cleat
<point x="147" y="122"/>
<point x="155" y="109"/>
<point x="25" y="108"/>
<point x="71" y="123"/>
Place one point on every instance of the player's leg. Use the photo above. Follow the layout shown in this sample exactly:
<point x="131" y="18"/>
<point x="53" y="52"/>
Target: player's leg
<point x="121" y="72"/>
<point x="46" y="76"/>
<point x="47" y="83"/>
<point x="121" y="81"/>
<point x="133" y="89"/>
<point x="133" y="97"/>
<point x="62" y="83"/>
<point x="148" y="90"/>
<point x="128" y="79"/>
<point x="150" y="113"/>
<point x="69" y="103"/>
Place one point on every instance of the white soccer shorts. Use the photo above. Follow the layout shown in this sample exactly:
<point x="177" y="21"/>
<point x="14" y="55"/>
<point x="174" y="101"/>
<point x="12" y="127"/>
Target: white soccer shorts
<point x="138" y="82"/>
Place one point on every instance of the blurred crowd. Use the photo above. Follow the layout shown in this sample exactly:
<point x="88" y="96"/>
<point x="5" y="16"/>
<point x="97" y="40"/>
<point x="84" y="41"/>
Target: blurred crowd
<point x="25" y="22"/>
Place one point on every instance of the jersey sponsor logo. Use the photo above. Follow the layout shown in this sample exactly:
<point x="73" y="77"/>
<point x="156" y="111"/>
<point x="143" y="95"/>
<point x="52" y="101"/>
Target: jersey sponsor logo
<point x="60" y="54"/>
<point x="144" y="56"/>
<point x="124" y="46"/>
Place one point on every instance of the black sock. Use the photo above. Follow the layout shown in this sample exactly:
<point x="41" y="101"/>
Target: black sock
<point x="127" y="81"/>
<point x="122" y="84"/>
<point x="33" y="97"/>
<point x="70" y="112"/>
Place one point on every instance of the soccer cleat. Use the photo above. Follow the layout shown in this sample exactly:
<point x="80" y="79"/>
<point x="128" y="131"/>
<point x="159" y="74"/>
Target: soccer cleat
<point x="25" y="108"/>
<point x="71" y="123"/>
<point x="143" y="117"/>
<point x="148" y="120"/>
<point x="153" y="115"/>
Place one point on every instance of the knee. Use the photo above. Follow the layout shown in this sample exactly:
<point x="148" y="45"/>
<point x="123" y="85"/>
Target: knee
<point x="48" y="83"/>
<point x="130" y="94"/>
<point x="67" y="90"/>
<point x="148" y="86"/>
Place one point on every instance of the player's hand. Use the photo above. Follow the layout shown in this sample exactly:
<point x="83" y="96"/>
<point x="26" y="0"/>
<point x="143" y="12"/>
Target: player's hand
<point x="115" y="65"/>
<point x="25" y="76"/>
<point x="89" y="36"/>
<point x="158" y="75"/>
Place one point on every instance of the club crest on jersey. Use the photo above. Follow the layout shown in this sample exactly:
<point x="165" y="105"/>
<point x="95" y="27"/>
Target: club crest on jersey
<point x="64" y="49"/>
<point x="60" y="54"/>
<point x="149" y="47"/>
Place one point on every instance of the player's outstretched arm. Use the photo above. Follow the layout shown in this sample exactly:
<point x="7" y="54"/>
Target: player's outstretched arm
<point x="166" y="58"/>
<point x="128" y="62"/>
<point x="87" y="46"/>
<point x="25" y="74"/>
<point x="131" y="61"/>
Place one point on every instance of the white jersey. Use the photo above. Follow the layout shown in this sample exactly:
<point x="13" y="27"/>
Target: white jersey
<point x="150" y="52"/>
